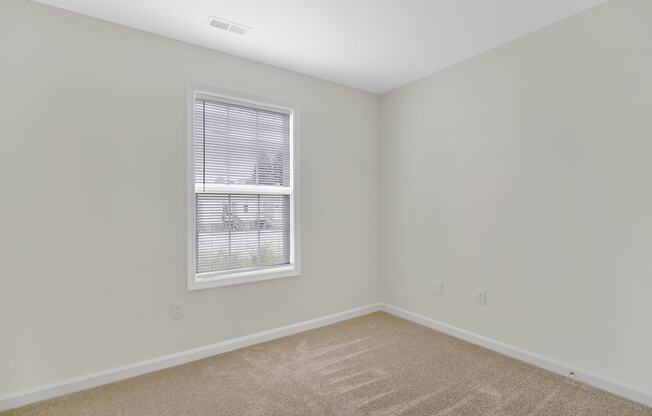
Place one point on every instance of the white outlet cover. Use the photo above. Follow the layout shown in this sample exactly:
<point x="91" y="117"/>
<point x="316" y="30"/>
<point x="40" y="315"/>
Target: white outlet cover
<point x="439" y="288"/>
<point x="177" y="310"/>
<point x="482" y="297"/>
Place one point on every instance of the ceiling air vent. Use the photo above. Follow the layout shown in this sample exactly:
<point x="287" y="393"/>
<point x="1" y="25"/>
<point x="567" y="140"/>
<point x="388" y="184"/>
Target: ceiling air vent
<point x="228" y="26"/>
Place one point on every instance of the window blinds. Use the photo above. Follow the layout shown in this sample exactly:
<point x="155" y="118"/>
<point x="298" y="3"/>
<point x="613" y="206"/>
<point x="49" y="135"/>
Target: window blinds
<point x="241" y="145"/>
<point x="242" y="187"/>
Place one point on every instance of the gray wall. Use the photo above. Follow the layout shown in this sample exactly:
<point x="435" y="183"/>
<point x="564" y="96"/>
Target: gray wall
<point x="527" y="171"/>
<point x="92" y="215"/>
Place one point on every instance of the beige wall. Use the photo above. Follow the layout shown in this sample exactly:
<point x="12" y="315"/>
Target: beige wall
<point x="92" y="213"/>
<point x="527" y="171"/>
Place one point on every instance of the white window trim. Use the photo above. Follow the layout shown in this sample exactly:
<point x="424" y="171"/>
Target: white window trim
<point x="221" y="279"/>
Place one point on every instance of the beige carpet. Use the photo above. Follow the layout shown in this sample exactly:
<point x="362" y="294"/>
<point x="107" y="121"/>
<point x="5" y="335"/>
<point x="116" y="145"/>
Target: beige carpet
<point x="373" y="365"/>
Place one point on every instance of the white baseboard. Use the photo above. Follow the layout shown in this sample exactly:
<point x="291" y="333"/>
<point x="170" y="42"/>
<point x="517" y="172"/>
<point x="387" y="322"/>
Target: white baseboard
<point x="72" y="385"/>
<point x="522" y="355"/>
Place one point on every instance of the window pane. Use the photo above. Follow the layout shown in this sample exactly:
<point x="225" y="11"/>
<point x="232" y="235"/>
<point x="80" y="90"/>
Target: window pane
<point x="241" y="231"/>
<point x="240" y="145"/>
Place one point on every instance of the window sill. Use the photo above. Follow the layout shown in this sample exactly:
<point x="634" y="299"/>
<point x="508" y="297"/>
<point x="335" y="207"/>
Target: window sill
<point x="222" y="280"/>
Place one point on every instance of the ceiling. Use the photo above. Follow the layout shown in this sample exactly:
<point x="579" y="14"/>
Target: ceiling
<point x="374" y="45"/>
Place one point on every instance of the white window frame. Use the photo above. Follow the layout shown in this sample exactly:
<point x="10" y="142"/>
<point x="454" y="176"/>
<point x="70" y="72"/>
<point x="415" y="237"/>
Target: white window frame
<point x="221" y="278"/>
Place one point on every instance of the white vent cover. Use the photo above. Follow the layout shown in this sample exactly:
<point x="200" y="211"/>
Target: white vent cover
<point x="228" y="26"/>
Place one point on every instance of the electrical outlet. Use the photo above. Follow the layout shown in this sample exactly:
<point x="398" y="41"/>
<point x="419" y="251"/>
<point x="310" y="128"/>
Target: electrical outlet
<point x="177" y="310"/>
<point x="482" y="297"/>
<point x="439" y="288"/>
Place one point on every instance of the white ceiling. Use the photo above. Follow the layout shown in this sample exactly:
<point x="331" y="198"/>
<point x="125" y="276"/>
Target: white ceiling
<point x="374" y="45"/>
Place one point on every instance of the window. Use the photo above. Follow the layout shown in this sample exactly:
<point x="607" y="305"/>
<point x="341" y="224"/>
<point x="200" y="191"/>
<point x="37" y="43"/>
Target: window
<point x="242" y="192"/>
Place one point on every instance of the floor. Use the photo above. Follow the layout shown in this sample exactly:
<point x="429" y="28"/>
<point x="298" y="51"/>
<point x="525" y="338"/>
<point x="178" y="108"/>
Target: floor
<point x="374" y="365"/>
